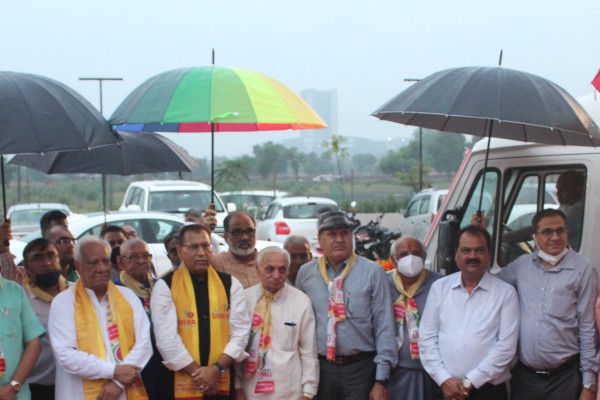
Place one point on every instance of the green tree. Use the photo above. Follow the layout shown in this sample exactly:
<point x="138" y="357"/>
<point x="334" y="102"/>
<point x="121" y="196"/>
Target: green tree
<point x="336" y="147"/>
<point x="445" y="151"/>
<point x="271" y="158"/>
<point x="316" y="164"/>
<point x="364" y="162"/>
<point x="296" y="159"/>
<point x="231" y="171"/>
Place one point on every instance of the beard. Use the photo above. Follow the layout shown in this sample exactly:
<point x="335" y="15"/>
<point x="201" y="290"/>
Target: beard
<point x="240" y="251"/>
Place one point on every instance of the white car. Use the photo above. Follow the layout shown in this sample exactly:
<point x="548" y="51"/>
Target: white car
<point x="421" y="212"/>
<point x="254" y="202"/>
<point x="25" y="218"/>
<point x="293" y="216"/>
<point x="172" y="197"/>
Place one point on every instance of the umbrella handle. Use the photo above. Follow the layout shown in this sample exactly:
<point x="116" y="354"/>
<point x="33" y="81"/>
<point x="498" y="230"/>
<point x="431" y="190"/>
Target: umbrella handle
<point x="211" y="206"/>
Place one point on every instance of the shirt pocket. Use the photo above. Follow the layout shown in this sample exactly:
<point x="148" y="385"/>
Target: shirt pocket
<point x="289" y="337"/>
<point x="562" y="304"/>
<point x="358" y="304"/>
<point x="10" y="322"/>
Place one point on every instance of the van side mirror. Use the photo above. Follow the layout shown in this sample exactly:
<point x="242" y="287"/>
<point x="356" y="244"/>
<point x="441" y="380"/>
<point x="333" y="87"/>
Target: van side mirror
<point x="134" y="207"/>
<point x="447" y="243"/>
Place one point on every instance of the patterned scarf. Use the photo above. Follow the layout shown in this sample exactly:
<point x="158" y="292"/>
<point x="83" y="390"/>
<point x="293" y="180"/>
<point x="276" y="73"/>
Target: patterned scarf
<point x="184" y="297"/>
<point x="260" y="346"/>
<point x="406" y="311"/>
<point x="336" y="308"/>
<point x="120" y="332"/>
<point x="140" y="289"/>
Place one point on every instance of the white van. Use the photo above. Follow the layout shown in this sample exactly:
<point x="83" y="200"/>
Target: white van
<point x="519" y="181"/>
<point x="173" y="197"/>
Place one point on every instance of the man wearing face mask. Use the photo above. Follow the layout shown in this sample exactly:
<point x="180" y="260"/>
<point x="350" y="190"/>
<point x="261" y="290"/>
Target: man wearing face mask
<point x="44" y="281"/>
<point x="409" y="284"/>
<point x="558" y="356"/>
<point x="240" y="260"/>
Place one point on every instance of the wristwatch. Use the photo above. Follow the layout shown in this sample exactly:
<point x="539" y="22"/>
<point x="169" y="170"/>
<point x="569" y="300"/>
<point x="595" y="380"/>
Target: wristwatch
<point x="467" y="383"/>
<point x="220" y="366"/>
<point x="591" y="387"/>
<point x="382" y="382"/>
<point x="16" y="386"/>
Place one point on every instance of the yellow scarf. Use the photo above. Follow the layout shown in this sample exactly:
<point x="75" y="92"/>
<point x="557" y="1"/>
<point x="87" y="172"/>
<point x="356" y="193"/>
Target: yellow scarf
<point x="260" y="345"/>
<point x="336" y="307"/>
<point x="40" y="294"/>
<point x="184" y="298"/>
<point x="406" y="310"/>
<point x="89" y="336"/>
<point x="138" y="288"/>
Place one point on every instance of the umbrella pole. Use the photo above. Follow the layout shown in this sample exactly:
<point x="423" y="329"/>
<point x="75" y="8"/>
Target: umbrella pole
<point x="3" y="188"/>
<point x="104" y="195"/>
<point x="485" y="163"/>
<point x="212" y="163"/>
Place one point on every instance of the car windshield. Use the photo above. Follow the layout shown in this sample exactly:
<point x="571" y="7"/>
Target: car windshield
<point x="305" y="211"/>
<point x="181" y="201"/>
<point x="27" y="217"/>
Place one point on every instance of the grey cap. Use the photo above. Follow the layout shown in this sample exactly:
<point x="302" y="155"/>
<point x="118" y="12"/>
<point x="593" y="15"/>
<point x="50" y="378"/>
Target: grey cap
<point x="333" y="219"/>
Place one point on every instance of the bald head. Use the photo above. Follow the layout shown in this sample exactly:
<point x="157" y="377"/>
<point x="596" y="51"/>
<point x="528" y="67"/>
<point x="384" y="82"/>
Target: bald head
<point x="407" y="245"/>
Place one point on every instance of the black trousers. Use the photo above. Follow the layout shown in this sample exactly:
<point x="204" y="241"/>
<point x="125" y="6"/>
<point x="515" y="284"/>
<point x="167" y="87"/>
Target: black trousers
<point x="41" y="392"/>
<point x="489" y="392"/>
<point x="346" y="382"/>
<point x="527" y="385"/>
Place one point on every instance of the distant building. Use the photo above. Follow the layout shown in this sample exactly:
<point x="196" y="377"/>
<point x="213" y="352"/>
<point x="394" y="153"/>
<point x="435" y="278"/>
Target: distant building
<point x="325" y="103"/>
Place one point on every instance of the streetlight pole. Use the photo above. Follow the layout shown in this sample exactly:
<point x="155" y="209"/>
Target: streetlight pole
<point x="420" y="143"/>
<point x="100" y="80"/>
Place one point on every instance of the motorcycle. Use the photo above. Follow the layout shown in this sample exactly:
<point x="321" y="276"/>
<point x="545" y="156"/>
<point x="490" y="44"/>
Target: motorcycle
<point x="373" y="241"/>
<point x="351" y="213"/>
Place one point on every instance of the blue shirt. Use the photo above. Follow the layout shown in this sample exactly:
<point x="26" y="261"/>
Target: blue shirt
<point x="18" y="325"/>
<point x="369" y="324"/>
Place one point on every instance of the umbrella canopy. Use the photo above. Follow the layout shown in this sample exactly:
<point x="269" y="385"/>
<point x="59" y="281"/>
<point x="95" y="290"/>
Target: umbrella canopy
<point x="233" y="99"/>
<point x="38" y="114"/>
<point x="494" y="102"/>
<point x="213" y="99"/>
<point x="136" y="153"/>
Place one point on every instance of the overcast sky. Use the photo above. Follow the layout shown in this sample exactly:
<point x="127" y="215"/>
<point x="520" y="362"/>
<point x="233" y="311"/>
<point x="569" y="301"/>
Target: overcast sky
<point x="364" y="49"/>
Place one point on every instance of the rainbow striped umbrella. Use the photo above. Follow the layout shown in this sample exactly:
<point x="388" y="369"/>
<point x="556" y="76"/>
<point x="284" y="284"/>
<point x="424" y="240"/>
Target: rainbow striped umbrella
<point x="213" y="99"/>
<point x="225" y="99"/>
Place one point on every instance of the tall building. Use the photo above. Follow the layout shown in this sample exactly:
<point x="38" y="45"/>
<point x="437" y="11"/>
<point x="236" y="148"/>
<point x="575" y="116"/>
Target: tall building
<point x="325" y="103"/>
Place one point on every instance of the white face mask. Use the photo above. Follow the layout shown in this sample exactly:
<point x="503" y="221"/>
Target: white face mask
<point x="549" y="258"/>
<point x="410" y="266"/>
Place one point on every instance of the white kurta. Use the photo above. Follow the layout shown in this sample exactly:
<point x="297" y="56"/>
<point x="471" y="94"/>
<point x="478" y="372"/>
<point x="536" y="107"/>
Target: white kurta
<point x="294" y="346"/>
<point x="72" y="365"/>
<point x="168" y="341"/>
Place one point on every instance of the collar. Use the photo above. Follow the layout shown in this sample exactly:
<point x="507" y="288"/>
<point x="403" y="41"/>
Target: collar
<point x="565" y="263"/>
<point x="485" y="283"/>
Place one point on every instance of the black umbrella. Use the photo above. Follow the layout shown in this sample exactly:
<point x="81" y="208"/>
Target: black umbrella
<point x="136" y="153"/>
<point x="493" y="102"/>
<point x="38" y="114"/>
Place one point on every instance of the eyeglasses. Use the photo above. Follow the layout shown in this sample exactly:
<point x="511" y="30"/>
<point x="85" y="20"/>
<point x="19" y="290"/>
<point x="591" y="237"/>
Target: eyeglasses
<point x="194" y="247"/>
<point x="66" y="240"/>
<point x="139" y="257"/>
<point x="549" y="232"/>
<point x="238" y="233"/>
<point x="41" y="257"/>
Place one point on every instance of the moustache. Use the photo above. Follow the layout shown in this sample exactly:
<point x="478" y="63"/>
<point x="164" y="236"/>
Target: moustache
<point x="473" y="261"/>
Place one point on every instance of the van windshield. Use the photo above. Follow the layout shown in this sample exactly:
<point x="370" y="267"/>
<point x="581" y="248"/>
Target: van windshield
<point x="179" y="201"/>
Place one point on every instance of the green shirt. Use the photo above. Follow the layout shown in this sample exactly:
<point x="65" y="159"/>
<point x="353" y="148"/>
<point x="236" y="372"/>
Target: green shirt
<point x="18" y="325"/>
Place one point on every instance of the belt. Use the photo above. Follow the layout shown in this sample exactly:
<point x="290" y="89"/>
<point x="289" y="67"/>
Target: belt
<point x="345" y="360"/>
<point x="548" y="373"/>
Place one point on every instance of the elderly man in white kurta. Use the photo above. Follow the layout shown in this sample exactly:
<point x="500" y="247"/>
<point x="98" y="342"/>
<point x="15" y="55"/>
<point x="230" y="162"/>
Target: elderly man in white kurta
<point x="283" y="360"/>
<point x="99" y="332"/>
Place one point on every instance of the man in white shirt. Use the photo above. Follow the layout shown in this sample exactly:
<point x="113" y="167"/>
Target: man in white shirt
<point x="200" y="321"/>
<point x="470" y="325"/>
<point x="283" y="314"/>
<point x="99" y="332"/>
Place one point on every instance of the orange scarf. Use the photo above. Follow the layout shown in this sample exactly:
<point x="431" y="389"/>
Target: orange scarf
<point x="89" y="336"/>
<point x="406" y="311"/>
<point x="260" y="346"/>
<point x="184" y="297"/>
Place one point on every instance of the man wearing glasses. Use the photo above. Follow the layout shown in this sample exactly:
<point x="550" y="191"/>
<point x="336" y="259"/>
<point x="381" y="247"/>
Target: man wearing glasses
<point x="135" y="262"/>
<point x="240" y="260"/>
<point x="64" y="242"/>
<point x="200" y="322"/>
<point x="557" y="338"/>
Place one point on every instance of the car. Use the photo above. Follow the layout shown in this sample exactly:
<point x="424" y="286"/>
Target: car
<point x="152" y="227"/>
<point x="293" y="216"/>
<point x="25" y="218"/>
<point x="173" y="197"/>
<point x="421" y="212"/>
<point x="254" y="202"/>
